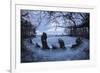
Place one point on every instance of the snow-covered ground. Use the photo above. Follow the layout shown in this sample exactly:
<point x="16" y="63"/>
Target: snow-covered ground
<point x="38" y="55"/>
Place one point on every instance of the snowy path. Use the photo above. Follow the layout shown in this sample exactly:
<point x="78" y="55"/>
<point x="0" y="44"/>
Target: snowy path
<point x="60" y="54"/>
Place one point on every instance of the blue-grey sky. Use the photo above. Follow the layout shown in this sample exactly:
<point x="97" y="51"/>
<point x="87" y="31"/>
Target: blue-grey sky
<point x="46" y="23"/>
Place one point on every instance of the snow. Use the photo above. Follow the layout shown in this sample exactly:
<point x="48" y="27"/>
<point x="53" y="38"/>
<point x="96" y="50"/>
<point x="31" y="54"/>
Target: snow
<point x="59" y="54"/>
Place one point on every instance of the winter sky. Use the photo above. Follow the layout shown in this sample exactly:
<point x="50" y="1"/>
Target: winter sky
<point x="41" y="19"/>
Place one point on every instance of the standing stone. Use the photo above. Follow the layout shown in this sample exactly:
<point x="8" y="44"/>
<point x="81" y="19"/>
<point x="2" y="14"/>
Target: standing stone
<point x="44" y="41"/>
<point x="61" y="43"/>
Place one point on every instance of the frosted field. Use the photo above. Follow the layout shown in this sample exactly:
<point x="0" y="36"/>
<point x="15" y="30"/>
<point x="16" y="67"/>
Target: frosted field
<point x="36" y="54"/>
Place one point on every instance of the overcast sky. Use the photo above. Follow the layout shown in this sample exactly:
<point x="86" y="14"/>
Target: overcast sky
<point x="38" y="17"/>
